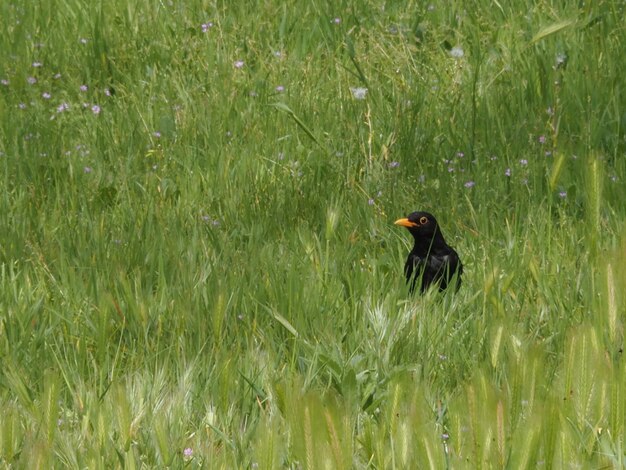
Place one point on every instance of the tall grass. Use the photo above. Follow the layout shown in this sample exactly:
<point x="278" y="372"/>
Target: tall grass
<point x="197" y="259"/>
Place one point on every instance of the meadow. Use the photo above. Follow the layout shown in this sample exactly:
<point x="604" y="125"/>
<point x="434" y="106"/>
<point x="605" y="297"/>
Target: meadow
<point x="198" y="262"/>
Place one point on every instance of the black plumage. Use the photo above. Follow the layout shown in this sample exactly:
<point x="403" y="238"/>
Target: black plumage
<point x="432" y="260"/>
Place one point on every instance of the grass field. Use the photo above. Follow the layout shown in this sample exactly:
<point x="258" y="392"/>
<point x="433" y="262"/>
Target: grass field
<point x="198" y="262"/>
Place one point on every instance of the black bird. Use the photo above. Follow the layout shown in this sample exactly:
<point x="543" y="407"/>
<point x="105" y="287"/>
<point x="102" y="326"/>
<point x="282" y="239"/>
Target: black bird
<point x="432" y="260"/>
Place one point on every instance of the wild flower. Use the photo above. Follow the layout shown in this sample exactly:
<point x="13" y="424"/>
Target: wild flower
<point x="239" y="64"/>
<point x="87" y="169"/>
<point x="563" y="194"/>
<point x="456" y="52"/>
<point x="156" y="134"/>
<point x="542" y="139"/>
<point x="37" y="64"/>
<point x="358" y="93"/>
<point x="4" y="82"/>
<point x="84" y="88"/>
<point x="207" y="26"/>
<point x="31" y="80"/>
<point x="95" y="109"/>
<point x="336" y="20"/>
<point x="469" y="184"/>
<point x="45" y="95"/>
<point x="83" y="40"/>
<point x="507" y="172"/>
<point x="63" y="107"/>
<point x="523" y="162"/>
<point x="370" y="201"/>
<point x="188" y="452"/>
<point x="280" y="88"/>
<point x="394" y="164"/>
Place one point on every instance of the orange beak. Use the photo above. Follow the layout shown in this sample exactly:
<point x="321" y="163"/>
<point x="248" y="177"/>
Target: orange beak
<point x="405" y="223"/>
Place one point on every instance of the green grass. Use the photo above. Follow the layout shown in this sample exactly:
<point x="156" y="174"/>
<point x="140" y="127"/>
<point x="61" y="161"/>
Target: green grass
<point x="200" y="269"/>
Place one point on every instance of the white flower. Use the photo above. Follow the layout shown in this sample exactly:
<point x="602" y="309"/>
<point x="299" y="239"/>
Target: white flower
<point x="457" y="52"/>
<point x="359" y="93"/>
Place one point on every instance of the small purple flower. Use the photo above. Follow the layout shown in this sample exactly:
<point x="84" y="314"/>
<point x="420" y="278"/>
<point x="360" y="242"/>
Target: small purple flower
<point x="450" y="169"/>
<point x="336" y="20"/>
<point x="280" y="88"/>
<point x="188" y="452"/>
<point x="45" y="95"/>
<point x="22" y="105"/>
<point x="507" y="172"/>
<point x="613" y="178"/>
<point x="469" y="184"/>
<point x="87" y="169"/>
<point x="207" y="26"/>
<point x="107" y="92"/>
<point x="5" y="82"/>
<point x="445" y="436"/>
<point x="523" y="162"/>
<point x="548" y="153"/>
<point x="31" y="80"/>
<point x="394" y="164"/>
<point x="563" y="194"/>
<point x="370" y="201"/>
<point x="95" y="109"/>
<point x="156" y="134"/>
<point x="63" y="107"/>
<point x="460" y="154"/>
<point x="37" y="64"/>
<point x="493" y="158"/>
<point x="57" y="76"/>
<point x="542" y="139"/>
<point x="84" y="88"/>
<point x="239" y="64"/>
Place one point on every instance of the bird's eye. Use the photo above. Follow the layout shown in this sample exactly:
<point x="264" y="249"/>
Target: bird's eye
<point x="423" y="220"/>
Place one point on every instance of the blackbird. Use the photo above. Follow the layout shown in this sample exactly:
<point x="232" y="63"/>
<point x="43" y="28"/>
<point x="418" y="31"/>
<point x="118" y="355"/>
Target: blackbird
<point x="432" y="260"/>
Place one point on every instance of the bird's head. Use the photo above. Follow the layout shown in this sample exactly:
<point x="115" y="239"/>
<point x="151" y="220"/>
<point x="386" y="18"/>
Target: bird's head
<point x="420" y="224"/>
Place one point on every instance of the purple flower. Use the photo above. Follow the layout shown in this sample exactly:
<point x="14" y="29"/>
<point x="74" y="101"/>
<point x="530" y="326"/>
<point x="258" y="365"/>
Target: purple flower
<point x="336" y="20"/>
<point x="87" y="169"/>
<point x="507" y="172"/>
<point x="156" y="134"/>
<point x="107" y="92"/>
<point x="188" y="452"/>
<point x="370" y="201"/>
<point x="280" y="88"/>
<point x="84" y="88"/>
<point x="22" y="105"/>
<point x="95" y="109"/>
<point x="31" y="80"/>
<point x="5" y="82"/>
<point x="37" y="64"/>
<point x="238" y="64"/>
<point x="394" y="164"/>
<point x="563" y="194"/>
<point x="548" y="153"/>
<point x="46" y="95"/>
<point x="57" y="76"/>
<point x="63" y="107"/>
<point x="460" y="154"/>
<point x="450" y="169"/>
<point x="542" y="139"/>
<point x="469" y="184"/>
<point x="207" y="26"/>
<point x="523" y="162"/>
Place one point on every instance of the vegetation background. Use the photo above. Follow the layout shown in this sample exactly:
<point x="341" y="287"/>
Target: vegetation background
<point x="198" y="263"/>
